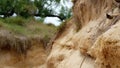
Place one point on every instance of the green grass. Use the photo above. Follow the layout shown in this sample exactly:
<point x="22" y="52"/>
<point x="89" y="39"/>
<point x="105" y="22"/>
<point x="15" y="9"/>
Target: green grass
<point x="23" y="31"/>
<point x="27" y="27"/>
<point x="16" y="20"/>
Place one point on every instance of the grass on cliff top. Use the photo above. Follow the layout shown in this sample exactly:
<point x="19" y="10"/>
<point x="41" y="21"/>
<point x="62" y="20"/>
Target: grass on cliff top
<point x="18" y="33"/>
<point x="27" y="27"/>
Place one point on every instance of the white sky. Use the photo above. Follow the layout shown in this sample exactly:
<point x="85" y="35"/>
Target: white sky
<point x="54" y="20"/>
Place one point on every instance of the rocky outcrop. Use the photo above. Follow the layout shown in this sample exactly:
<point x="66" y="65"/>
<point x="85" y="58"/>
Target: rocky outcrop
<point x="91" y="37"/>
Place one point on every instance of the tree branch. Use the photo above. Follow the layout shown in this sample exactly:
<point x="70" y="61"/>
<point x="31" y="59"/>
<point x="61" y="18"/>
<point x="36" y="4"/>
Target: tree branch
<point x="50" y="15"/>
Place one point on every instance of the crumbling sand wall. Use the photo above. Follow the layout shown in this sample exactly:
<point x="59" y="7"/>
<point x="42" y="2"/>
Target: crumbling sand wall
<point x="91" y="39"/>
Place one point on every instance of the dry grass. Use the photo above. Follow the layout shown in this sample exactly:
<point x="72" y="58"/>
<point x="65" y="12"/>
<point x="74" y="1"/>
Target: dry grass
<point x="13" y="43"/>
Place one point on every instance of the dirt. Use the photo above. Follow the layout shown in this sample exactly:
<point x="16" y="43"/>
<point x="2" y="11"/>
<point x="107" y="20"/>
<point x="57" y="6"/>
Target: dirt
<point x="35" y="57"/>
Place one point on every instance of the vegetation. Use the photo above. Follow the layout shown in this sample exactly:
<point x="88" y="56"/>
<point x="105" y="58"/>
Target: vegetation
<point x="30" y="8"/>
<point x="17" y="31"/>
<point x="24" y="23"/>
<point x="27" y="27"/>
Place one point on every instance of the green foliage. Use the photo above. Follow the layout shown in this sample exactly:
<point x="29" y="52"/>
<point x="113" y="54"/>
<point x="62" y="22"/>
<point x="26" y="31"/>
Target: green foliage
<point x="44" y="7"/>
<point x="65" y="13"/>
<point x="25" y="8"/>
<point x="29" y="8"/>
<point x="7" y="7"/>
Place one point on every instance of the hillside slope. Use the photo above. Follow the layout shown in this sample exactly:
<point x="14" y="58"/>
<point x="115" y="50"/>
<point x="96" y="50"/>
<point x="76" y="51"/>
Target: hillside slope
<point x="91" y="39"/>
<point x="23" y="42"/>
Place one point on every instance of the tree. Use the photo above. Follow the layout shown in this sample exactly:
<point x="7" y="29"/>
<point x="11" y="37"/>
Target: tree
<point x="27" y="8"/>
<point x="7" y="7"/>
<point x="65" y="13"/>
<point x="45" y="8"/>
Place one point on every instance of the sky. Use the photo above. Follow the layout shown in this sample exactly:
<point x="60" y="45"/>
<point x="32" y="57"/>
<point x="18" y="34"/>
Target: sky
<point x="54" y="20"/>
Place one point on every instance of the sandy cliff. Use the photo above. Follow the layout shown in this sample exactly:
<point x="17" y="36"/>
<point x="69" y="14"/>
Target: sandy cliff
<point x="91" y="39"/>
